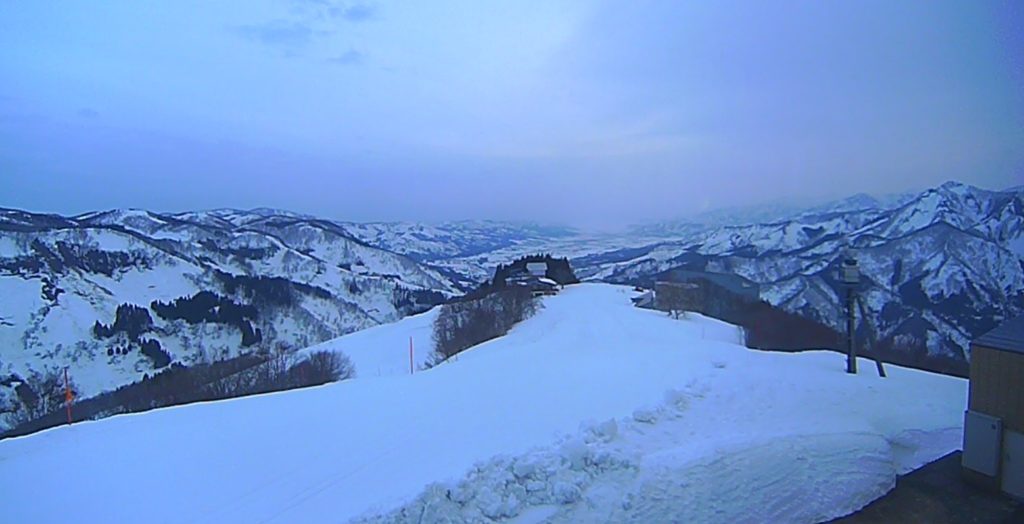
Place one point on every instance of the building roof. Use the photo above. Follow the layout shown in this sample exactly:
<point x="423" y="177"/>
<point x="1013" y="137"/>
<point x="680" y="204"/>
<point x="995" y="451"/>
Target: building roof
<point x="1008" y="336"/>
<point x="685" y="285"/>
<point x="537" y="268"/>
<point x="647" y="297"/>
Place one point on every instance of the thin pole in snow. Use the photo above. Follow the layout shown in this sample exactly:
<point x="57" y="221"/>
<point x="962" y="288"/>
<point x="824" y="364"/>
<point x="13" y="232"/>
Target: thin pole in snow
<point x="68" y="396"/>
<point x="872" y="337"/>
<point x="411" y="368"/>
<point x="851" y="345"/>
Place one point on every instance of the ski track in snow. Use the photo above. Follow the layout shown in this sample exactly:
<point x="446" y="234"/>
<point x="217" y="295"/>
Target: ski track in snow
<point x="591" y="411"/>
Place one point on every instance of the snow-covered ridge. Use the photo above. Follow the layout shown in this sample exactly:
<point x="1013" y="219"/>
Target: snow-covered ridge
<point x="59" y="276"/>
<point x="942" y="266"/>
<point x="592" y="411"/>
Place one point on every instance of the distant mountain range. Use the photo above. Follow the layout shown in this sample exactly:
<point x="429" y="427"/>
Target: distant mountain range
<point x="942" y="266"/>
<point x="770" y="213"/>
<point x="305" y="280"/>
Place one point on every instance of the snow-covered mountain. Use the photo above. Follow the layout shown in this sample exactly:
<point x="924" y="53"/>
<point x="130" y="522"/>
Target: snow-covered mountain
<point x="768" y="213"/>
<point x="464" y="250"/>
<point x="941" y="268"/>
<point x="591" y="411"/>
<point x="274" y="281"/>
<point x="452" y="239"/>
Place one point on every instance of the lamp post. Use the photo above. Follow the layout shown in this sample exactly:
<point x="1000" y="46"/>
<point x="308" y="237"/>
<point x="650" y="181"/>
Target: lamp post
<point x="849" y="275"/>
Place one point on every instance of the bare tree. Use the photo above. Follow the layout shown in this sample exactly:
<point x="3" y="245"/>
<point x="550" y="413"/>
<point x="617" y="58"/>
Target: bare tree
<point x="323" y="367"/>
<point x="464" y="324"/>
<point x="676" y="298"/>
<point x="42" y="393"/>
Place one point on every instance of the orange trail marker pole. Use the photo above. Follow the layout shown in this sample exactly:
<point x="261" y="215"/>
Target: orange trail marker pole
<point x="68" y="397"/>
<point x="411" y="369"/>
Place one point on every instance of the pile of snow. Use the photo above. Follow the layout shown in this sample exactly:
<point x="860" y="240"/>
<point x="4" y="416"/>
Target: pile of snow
<point x="641" y="469"/>
<point x="590" y="411"/>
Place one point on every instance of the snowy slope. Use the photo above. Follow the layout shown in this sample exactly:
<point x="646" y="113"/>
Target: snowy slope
<point x="703" y="429"/>
<point x="470" y="250"/>
<point x="384" y="350"/>
<point x="306" y="278"/>
<point x="941" y="268"/>
<point x="451" y="239"/>
<point x="943" y="265"/>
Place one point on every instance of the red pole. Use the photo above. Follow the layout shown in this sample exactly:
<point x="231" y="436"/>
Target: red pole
<point x="411" y="369"/>
<point x="67" y="394"/>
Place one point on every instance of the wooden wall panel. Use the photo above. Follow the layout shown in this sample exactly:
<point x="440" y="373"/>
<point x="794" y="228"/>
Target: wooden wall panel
<point x="997" y="385"/>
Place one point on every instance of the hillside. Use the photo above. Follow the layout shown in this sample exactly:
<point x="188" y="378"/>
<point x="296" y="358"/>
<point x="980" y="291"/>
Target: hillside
<point x="89" y="292"/>
<point x="590" y="411"/>
<point x="941" y="268"/>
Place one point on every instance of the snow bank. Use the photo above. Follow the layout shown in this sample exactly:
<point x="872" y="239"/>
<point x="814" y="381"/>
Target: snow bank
<point x="636" y="469"/>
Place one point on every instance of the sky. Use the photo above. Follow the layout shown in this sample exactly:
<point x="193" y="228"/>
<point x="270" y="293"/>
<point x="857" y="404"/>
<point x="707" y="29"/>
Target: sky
<point x="582" y="113"/>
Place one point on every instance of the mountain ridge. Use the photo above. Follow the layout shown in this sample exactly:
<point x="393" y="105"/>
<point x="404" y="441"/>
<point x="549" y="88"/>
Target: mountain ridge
<point x="939" y="268"/>
<point x="304" y="282"/>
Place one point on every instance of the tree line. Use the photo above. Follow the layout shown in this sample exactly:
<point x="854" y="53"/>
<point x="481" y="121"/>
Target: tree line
<point x="177" y="384"/>
<point x="771" y="328"/>
<point x="465" y="323"/>
<point x="206" y="306"/>
<point x="134" y="321"/>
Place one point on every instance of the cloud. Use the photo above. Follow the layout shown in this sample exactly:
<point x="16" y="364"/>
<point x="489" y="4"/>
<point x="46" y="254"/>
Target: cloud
<point x="348" y="58"/>
<point x="278" y="33"/>
<point x="307" y="21"/>
<point x="358" y="12"/>
<point x="323" y="9"/>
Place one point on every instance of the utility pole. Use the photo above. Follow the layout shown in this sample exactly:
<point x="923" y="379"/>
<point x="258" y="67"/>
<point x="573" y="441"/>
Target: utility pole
<point x="849" y="275"/>
<point x="68" y="395"/>
<point x="851" y="333"/>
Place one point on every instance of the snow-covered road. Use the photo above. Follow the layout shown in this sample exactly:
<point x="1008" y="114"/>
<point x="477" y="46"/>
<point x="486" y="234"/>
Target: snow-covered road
<point x="676" y="417"/>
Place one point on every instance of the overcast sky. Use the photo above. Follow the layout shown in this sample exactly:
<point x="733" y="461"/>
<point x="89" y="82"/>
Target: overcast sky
<point x="573" y="112"/>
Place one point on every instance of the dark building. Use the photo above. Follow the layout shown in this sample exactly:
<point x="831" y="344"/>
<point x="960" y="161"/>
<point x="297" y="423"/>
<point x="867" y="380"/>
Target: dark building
<point x="994" y="422"/>
<point x="732" y="283"/>
<point x="532" y="278"/>
<point x="718" y="295"/>
<point x="678" y="296"/>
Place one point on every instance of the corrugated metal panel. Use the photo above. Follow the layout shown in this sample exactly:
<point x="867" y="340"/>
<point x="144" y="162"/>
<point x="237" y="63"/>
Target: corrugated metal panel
<point x="982" y="439"/>
<point x="996" y="379"/>
<point x="1008" y="336"/>
<point x="1013" y="464"/>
